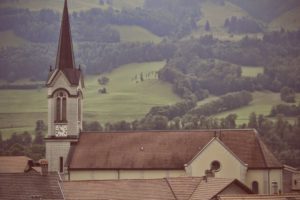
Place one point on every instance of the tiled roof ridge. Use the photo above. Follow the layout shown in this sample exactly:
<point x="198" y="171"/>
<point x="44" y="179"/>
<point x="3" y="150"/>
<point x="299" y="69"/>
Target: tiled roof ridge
<point x="170" y="187"/>
<point x="260" y="148"/>
<point x="195" y="188"/>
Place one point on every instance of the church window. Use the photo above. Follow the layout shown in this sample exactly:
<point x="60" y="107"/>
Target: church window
<point x="61" y="107"/>
<point x="61" y="164"/>
<point x="215" y="166"/>
<point x="255" y="187"/>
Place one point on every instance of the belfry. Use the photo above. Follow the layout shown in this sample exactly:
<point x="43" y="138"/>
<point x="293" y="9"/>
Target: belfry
<point x="65" y="94"/>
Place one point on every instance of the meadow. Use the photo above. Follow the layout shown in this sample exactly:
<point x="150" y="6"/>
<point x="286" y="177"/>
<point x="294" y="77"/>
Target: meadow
<point x="127" y="98"/>
<point x="136" y="34"/>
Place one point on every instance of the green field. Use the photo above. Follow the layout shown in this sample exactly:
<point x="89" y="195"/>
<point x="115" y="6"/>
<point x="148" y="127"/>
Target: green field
<point x="252" y="71"/>
<point x="136" y="34"/>
<point x="127" y="99"/>
<point x="120" y="4"/>
<point x="262" y="104"/>
<point x="9" y="39"/>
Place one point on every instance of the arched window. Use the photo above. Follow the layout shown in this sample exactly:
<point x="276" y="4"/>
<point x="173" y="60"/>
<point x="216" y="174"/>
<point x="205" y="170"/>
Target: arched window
<point x="61" y="107"/>
<point x="255" y="187"/>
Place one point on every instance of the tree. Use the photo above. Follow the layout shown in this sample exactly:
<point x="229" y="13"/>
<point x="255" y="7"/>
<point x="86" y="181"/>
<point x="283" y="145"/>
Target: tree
<point x="207" y="26"/>
<point x="39" y="138"/>
<point x="252" y="121"/>
<point x="287" y="94"/>
<point x="103" y="80"/>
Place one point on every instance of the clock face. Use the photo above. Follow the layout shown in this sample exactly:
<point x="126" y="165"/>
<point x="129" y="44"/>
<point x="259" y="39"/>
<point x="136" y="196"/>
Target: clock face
<point x="61" y="130"/>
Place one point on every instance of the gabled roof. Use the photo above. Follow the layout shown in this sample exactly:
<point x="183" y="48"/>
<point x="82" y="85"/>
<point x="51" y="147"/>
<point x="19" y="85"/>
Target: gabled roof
<point x="118" y="189"/>
<point x="13" y="164"/>
<point x="180" y="188"/>
<point x="163" y="149"/>
<point x="30" y="186"/>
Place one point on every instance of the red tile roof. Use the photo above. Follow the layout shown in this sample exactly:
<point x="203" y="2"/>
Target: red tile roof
<point x="260" y="197"/>
<point x="118" y="189"/>
<point x="163" y="149"/>
<point x="13" y="164"/>
<point x="30" y="186"/>
<point x="181" y="188"/>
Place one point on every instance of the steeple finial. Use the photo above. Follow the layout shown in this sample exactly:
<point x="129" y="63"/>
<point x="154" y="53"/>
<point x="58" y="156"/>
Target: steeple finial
<point x="65" y="57"/>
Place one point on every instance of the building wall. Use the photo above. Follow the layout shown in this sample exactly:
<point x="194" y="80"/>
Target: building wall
<point x="54" y="150"/>
<point x="123" y="174"/>
<point x="265" y="177"/>
<point x="231" y="167"/>
<point x="74" y="125"/>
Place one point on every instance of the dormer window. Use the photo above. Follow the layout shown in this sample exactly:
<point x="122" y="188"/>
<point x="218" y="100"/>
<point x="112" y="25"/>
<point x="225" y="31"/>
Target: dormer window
<point x="61" y="107"/>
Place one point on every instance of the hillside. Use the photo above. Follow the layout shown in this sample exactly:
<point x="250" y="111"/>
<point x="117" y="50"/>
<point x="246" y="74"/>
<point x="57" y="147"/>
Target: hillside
<point x="136" y="34"/>
<point x="127" y="99"/>
<point x="288" y="20"/>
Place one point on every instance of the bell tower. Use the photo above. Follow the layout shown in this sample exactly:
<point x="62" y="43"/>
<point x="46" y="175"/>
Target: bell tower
<point x="65" y="96"/>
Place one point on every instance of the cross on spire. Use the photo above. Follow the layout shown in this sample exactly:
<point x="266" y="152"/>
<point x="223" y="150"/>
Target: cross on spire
<point x="65" y="56"/>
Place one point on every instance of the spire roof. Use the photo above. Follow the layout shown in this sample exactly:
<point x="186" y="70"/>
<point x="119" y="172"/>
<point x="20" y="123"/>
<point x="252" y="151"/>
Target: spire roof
<point x="65" y="57"/>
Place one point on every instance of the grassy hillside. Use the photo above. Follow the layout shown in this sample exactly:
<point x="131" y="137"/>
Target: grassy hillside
<point x="9" y="39"/>
<point x="262" y="104"/>
<point x="127" y="99"/>
<point x="289" y="20"/>
<point x="120" y="4"/>
<point x="74" y="5"/>
<point x="252" y="71"/>
<point x="136" y="34"/>
<point x="216" y="15"/>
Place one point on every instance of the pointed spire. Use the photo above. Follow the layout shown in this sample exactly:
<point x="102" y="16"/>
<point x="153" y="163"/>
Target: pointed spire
<point x="65" y="57"/>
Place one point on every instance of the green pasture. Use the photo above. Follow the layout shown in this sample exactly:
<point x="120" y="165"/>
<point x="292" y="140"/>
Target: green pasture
<point x="252" y="71"/>
<point x="127" y="99"/>
<point x="9" y="39"/>
<point x="136" y="34"/>
<point x="262" y="104"/>
<point x="121" y="4"/>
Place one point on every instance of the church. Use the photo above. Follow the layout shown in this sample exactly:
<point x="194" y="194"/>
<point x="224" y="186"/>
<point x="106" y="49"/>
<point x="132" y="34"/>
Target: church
<point x="77" y="155"/>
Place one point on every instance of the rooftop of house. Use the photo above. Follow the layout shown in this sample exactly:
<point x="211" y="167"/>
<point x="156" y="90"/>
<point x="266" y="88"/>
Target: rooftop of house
<point x="13" y="164"/>
<point x="163" y="149"/>
<point x="30" y="186"/>
<point x="181" y="188"/>
<point x="294" y="196"/>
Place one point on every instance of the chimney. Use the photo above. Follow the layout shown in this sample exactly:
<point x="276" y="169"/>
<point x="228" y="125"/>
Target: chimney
<point x="44" y="167"/>
<point x="209" y="173"/>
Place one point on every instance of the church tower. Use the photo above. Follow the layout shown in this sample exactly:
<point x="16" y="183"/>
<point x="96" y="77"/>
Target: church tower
<point x="65" y="85"/>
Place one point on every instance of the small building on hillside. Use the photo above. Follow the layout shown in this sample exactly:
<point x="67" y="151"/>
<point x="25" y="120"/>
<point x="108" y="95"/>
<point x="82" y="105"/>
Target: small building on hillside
<point x="78" y="155"/>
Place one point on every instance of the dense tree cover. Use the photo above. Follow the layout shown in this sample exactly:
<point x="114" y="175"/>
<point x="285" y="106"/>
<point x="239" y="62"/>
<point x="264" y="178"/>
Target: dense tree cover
<point x="223" y="103"/>
<point x="172" y="111"/>
<point x="32" y="60"/>
<point x="287" y="94"/>
<point x="286" y="110"/>
<point x="24" y="144"/>
<point x="242" y="25"/>
<point x="207" y="64"/>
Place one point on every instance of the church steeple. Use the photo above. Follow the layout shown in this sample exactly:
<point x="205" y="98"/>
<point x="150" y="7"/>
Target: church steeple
<point x="65" y="56"/>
